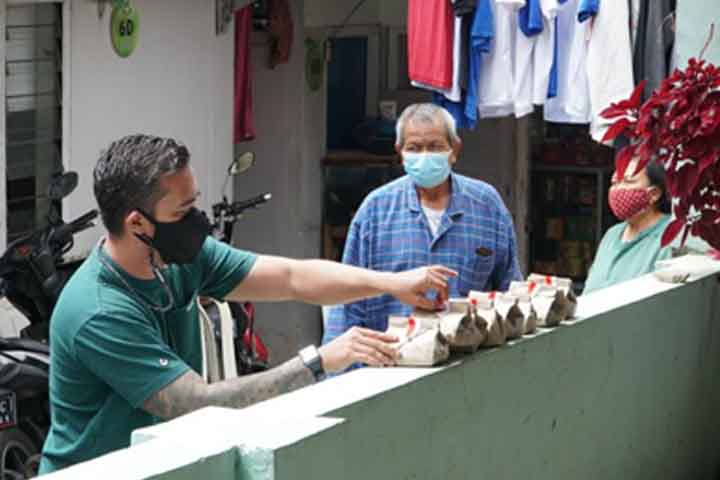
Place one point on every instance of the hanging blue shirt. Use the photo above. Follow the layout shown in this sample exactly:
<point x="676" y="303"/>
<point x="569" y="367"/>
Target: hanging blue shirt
<point x="530" y="18"/>
<point x="553" y="85"/>
<point x="482" y="33"/>
<point x="588" y="8"/>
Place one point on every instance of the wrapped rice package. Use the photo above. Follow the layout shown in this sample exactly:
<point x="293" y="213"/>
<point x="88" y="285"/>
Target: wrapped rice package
<point x="483" y="303"/>
<point x="464" y="330"/>
<point x="546" y="301"/>
<point x="517" y="311"/>
<point x="421" y="344"/>
<point x="564" y="285"/>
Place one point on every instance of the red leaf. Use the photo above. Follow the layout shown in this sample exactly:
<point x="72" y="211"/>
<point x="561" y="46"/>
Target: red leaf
<point x="623" y="160"/>
<point x="616" y="129"/>
<point x="686" y="180"/>
<point x="613" y="111"/>
<point x="671" y="231"/>
<point x="711" y="234"/>
<point x="637" y="94"/>
<point x="621" y="108"/>
<point x="640" y="165"/>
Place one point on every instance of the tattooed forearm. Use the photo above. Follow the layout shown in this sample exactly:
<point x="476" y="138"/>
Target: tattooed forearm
<point x="190" y="392"/>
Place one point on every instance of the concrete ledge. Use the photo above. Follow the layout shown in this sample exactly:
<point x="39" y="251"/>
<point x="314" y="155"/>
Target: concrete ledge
<point x="626" y="391"/>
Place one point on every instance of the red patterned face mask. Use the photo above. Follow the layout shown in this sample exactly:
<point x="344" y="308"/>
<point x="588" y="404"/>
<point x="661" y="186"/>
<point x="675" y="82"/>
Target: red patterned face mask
<point x="627" y="202"/>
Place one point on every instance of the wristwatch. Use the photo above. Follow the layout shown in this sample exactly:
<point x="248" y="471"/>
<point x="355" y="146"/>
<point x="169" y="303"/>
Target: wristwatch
<point x="312" y="360"/>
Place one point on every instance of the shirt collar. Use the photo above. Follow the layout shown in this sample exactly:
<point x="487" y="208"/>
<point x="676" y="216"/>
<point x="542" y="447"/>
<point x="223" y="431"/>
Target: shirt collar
<point x="660" y="224"/>
<point x="458" y="198"/>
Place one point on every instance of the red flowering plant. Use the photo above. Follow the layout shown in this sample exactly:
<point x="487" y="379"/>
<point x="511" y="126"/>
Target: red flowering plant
<point x="678" y="127"/>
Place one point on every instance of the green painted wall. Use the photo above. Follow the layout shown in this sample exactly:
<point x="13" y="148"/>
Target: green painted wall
<point x="629" y="392"/>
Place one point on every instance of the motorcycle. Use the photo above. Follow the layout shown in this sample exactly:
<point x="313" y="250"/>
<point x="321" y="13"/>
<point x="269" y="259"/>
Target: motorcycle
<point x="33" y="271"/>
<point x="231" y="347"/>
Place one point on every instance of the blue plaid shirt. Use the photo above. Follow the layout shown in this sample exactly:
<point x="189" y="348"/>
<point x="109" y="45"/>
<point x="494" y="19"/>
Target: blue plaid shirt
<point x="390" y="233"/>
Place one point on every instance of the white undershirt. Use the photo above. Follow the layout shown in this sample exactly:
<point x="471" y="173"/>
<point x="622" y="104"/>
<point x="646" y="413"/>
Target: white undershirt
<point x="434" y="218"/>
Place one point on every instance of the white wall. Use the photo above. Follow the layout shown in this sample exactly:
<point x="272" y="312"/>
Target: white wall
<point x="393" y="12"/>
<point x="178" y="83"/>
<point x="320" y="13"/>
<point x="332" y="12"/>
<point x="693" y="30"/>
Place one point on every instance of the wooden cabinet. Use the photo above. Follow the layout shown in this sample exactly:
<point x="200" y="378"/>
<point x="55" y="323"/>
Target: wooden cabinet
<point x="348" y="176"/>
<point x="569" y="215"/>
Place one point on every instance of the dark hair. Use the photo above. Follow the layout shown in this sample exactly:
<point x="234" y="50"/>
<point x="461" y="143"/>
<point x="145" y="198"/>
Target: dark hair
<point x="128" y="173"/>
<point x="656" y="175"/>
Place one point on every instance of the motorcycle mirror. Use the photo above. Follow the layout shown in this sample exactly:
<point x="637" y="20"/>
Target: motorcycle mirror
<point x="62" y="185"/>
<point x="241" y="163"/>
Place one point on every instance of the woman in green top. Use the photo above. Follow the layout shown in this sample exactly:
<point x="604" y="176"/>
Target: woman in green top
<point x="631" y="248"/>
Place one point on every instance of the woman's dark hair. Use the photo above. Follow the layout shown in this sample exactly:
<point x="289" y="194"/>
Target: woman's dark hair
<point x="656" y="175"/>
<point x="127" y="176"/>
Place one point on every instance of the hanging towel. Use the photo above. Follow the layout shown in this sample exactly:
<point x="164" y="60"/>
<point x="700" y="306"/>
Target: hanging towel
<point x="496" y="97"/>
<point x="535" y="47"/>
<point x="653" y="43"/>
<point x="609" y="61"/>
<point x="430" y="42"/>
<point x="572" y="103"/>
<point x="454" y="93"/>
<point x="243" y="116"/>
<point x="281" y="31"/>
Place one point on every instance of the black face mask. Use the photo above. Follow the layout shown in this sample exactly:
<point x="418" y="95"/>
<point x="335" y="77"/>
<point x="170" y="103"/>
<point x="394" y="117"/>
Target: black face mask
<point x="181" y="241"/>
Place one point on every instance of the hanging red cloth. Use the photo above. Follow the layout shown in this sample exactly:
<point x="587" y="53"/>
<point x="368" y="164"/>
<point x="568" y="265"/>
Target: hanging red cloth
<point x="244" y="129"/>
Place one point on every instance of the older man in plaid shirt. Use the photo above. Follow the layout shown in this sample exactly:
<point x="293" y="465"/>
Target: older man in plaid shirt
<point x="430" y="216"/>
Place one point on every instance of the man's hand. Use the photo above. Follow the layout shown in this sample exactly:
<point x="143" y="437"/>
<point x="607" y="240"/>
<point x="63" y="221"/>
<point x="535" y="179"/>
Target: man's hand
<point x="358" y="345"/>
<point x="411" y="286"/>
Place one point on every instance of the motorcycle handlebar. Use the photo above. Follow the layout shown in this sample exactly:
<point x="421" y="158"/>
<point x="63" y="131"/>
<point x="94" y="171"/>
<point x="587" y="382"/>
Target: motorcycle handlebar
<point x="63" y="234"/>
<point x="84" y="221"/>
<point x="236" y="208"/>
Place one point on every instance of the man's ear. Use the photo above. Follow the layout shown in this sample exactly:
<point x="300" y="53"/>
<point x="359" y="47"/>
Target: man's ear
<point x="456" y="149"/>
<point x="136" y="223"/>
<point x="398" y="150"/>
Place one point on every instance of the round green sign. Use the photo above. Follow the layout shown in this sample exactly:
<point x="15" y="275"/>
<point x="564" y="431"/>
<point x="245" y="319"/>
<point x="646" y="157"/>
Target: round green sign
<point x="124" y="30"/>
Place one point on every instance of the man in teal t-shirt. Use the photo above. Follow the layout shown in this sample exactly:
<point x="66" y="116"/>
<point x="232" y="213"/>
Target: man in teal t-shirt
<point x="124" y="336"/>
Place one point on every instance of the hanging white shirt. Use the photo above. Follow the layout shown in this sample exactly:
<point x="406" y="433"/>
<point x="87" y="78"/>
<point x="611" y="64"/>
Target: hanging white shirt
<point x="534" y="60"/>
<point x="496" y="92"/>
<point x="572" y="102"/>
<point x="455" y="93"/>
<point x="609" y="61"/>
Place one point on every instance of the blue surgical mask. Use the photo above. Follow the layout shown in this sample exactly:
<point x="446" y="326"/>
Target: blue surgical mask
<point x="427" y="169"/>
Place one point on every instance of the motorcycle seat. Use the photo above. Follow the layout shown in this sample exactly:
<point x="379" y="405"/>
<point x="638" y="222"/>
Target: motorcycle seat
<point x="24" y="344"/>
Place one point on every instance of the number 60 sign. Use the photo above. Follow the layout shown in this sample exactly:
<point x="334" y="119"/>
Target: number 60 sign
<point x="124" y="29"/>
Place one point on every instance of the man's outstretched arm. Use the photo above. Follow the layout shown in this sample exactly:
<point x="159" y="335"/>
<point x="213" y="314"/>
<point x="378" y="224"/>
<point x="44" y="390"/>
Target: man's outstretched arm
<point x="328" y="283"/>
<point x="189" y="392"/>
